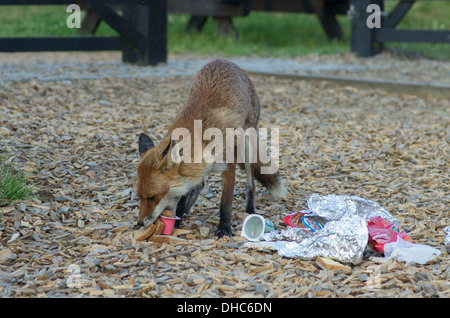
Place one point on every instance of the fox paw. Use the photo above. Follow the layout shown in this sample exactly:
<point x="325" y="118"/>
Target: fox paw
<point x="221" y="232"/>
<point x="177" y="224"/>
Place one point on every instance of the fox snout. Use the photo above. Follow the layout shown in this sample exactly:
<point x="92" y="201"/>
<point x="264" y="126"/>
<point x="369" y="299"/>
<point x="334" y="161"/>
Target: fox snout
<point x="146" y="210"/>
<point x="143" y="214"/>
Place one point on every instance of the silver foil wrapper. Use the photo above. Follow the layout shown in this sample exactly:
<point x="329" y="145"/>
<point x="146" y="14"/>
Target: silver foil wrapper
<point x="344" y="235"/>
<point x="447" y="238"/>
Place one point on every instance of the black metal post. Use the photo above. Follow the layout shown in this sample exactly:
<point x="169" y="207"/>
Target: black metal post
<point x="363" y="38"/>
<point x="150" y="20"/>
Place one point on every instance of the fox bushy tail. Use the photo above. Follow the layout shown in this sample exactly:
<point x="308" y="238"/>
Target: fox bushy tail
<point x="273" y="181"/>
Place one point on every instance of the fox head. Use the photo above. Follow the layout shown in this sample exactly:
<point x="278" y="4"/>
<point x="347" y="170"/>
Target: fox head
<point x="159" y="185"/>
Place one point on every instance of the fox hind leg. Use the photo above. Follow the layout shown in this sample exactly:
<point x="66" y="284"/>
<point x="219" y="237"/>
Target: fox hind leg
<point x="250" y="179"/>
<point x="226" y="202"/>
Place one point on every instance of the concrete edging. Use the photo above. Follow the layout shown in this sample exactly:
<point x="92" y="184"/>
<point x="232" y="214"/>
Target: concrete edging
<point x="429" y="90"/>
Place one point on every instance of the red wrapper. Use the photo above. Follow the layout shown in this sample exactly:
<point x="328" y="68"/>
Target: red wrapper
<point x="382" y="232"/>
<point x="299" y="219"/>
<point x="293" y="219"/>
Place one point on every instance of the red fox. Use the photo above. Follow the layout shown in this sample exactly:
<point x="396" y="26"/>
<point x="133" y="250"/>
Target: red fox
<point x="221" y="96"/>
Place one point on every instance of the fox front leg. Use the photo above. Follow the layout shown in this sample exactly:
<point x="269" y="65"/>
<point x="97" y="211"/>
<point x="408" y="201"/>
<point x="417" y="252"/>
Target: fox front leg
<point x="187" y="201"/>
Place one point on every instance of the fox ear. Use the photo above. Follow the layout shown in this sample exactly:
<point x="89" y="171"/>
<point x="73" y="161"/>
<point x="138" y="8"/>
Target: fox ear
<point x="166" y="160"/>
<point x="169" y="146"/>
<point x="145" y="143"/>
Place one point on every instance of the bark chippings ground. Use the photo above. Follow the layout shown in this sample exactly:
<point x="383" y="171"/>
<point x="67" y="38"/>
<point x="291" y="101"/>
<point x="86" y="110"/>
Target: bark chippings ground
<point x="77" y="141"/>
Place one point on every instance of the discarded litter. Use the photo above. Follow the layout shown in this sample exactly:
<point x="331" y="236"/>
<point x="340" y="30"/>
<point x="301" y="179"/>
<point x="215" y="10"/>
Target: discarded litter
<point x="304" y="220"/>
<point x="382" y="232"/>
<point x="343" y="236"/>
<point x="169" y="223"/>
<point x="330" y="264"/>
<point x="255" y="226"/>
<point x="447" y="238"/>
<point x="409" y="252"/>
<point x="388" y="238"/>
<point x="161" y="231"/>
<point x="340" y="227"/>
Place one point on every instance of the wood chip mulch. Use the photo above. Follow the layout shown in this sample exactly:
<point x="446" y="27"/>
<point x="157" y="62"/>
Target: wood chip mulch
<point x="77" y="141"/>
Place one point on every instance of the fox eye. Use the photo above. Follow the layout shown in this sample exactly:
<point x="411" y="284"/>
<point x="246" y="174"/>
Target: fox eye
<point x="151" y="198"/>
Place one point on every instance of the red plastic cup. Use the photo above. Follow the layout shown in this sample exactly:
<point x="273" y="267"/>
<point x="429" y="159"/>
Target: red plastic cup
<point x="169" y="223"/>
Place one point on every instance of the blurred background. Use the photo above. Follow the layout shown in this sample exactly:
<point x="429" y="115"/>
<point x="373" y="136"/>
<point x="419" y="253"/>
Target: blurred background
<point x="265" y="34"/>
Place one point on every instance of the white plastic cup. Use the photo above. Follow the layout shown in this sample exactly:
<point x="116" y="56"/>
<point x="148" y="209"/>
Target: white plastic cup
<point x="255" y="226"/>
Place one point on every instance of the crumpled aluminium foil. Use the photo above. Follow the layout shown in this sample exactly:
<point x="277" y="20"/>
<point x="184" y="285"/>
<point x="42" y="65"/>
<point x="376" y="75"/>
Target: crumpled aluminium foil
<point x="344" y="235"/>
<point x="447" y="238"/>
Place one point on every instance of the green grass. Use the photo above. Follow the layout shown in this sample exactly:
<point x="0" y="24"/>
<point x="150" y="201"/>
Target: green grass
<point x="13" y="184"/>
<point x="426" y="15"/>
<point x="261" y="33"/>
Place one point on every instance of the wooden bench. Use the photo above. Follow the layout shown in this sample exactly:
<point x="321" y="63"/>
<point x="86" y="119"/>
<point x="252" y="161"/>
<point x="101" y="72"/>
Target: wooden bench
<point x="223" y="11"/>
